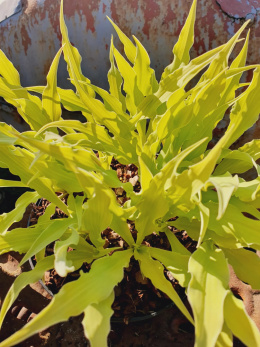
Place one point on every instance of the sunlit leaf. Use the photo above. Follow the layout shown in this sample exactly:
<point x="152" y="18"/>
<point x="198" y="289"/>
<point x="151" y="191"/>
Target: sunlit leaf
<point x="207" y="291"/>
<point x="8" y="71"/>
<point x="157" y="278"/>
<point x="146" y="81"/>
<point x="225" y="337"/>
<point x="239" y="322"/>
<point x="176" y="263"/>
<point x="7" y="219"/>
<point x="184" y="43"/>
<point x="133" y="93"/>
<point x="130" y="49"/>
<point x="61" y="263"/>
<point x="71" y="299"/>
<point x="245" y="111"/>
<point x="53" y="231"/>
<point x="50" y="96"/>
<point x="96" y="217"/>
<point x="225" y="186"/>
<point x="96" y="322"/>
<point x="245" y="264"/>
<point x="114" y="78"/>
<point x="72" y="56"/>
<point x="221" y="60"/>
<point x="204" y="221"/>
<point x="22" y="281"/>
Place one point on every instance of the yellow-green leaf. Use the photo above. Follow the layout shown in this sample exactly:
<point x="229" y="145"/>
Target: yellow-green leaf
<point x="245" y="111"/>
<point x="134" y="95"/>
<point x="174" y="262"/>
<point x="53" y="231"/>
<point x="96" y="321"/>
<point x="7" y="219"/>
<point x="76" y="296"/>
<point x="146" y="81"/>
<point x="114" y="78"/>
<point x="239" y="322"/>
<point x="9" y="183"/>
<point x="62" y="265"/>
<point x="50" y="96"/>
<point x="225" y="185"/>
<point x="221" y="60"/>
<point x="184" y="43"/>
<point x="72" y="56"/>
<point x="129" y="47"/>
<point x="18" y="240"/>
<point x="246" y="265"/>
<point x="157" y="277"/>
<point x="8" y="71"/>
<point x="176" y="245"/>
<point x="207" y="291"/>
<point x="225" y="337"/>
<point x="97" y="216"/>
<point x="22" y="281"/>
<point x="204" y="221"/>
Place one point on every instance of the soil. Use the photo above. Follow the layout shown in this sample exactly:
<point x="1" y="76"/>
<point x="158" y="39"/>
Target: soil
<point x="168" y="328"/>
<point x="136" y="299"/>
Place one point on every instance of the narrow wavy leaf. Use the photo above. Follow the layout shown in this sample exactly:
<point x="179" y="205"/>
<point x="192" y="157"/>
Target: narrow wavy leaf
<point x="22" y="281"/>
<point x="50" y="96"/>
<point x="184" y="43"/>
<point x="96" y="322"/>
<point x="8" y="71"/>
<point x="72" y="299"/>
<point x="174" y="262"/>
<point x="207" y="291"/>
<point x="157" y="278"/>
<point x="7" y="219"/>
<point x="239" y="322"/>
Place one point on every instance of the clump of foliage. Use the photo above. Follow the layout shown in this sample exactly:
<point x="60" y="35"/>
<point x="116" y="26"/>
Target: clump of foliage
<point x="164" y="129"/>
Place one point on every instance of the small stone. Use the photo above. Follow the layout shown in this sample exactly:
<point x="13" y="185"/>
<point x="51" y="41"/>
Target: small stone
<point x="134" y="180"/>
<point x="140" y="278"/>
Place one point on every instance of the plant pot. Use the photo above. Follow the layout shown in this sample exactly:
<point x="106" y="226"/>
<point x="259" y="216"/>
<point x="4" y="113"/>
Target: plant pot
<point x="117" y="320"/>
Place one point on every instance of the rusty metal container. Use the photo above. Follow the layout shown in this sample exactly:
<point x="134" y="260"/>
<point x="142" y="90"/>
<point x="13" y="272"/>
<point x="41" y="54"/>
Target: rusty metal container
<point x="30" y="35"/>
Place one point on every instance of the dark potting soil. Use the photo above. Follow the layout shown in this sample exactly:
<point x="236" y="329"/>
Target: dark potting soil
<point x="135" y="297"/>
<point x="9" y="195"/>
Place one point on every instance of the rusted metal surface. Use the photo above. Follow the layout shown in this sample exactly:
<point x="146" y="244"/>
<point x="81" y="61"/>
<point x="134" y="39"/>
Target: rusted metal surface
<point x="31" y="38"/>
<point x="240" y="9"/>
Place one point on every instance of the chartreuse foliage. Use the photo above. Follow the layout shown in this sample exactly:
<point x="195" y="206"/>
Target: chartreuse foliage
<point x="164" y="128"/>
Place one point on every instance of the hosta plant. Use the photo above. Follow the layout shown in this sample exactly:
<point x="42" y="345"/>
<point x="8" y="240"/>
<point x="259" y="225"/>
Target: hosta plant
<point x="164" y="128"/>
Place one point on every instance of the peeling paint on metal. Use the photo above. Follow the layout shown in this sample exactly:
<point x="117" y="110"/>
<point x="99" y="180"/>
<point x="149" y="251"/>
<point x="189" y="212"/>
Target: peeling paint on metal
<point x="170" y="16"/>
<point x="134" y="5"/>
<point x="151" y="11"/>
<point x="238" y="9"/>
<point x="113" y="10"/>
<point x="32" y="38"/>
<point x="26" y="40"/>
